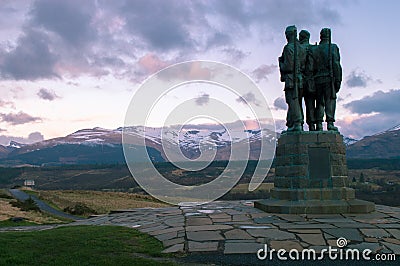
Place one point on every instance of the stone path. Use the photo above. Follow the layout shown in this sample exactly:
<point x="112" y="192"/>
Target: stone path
<point x="236" y="227"/>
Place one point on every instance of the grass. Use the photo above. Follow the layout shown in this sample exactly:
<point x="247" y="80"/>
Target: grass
<point x="9" y="223"/>
<point x="243" y="188"/>
<point x="4" y="194"/>
<point x="26" y="205"/>
<point x="30" y="191"/>
<point x="100" y="202"/>
<point x="81" y="245"/>
<point x="36" y="193"/>
<point x="7" y="211"/>
<point x="241" y="192"/>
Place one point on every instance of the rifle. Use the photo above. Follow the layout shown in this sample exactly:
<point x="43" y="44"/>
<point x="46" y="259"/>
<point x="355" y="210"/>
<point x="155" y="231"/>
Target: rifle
<point x="296" y="89"/>
<point x="330" y="62"/>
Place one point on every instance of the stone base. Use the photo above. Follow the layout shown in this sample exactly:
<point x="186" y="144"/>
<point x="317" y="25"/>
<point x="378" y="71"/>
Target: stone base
<point x="311" y="176"/>
<point x="335" y="193"/>
<point x="315" y="206"/>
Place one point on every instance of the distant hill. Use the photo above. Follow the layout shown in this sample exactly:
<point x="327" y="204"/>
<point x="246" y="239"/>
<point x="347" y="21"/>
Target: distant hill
<point x="3" y="151"/>
<point x="104" y="146"/>
<point x="87" y="146"/>
<point x="348" y="141"/>
<point x="6" y="150"/>
<point x="382" y="145"/>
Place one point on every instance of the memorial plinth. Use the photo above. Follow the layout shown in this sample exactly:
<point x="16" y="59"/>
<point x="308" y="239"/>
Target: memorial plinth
<point x="311" y="176"/>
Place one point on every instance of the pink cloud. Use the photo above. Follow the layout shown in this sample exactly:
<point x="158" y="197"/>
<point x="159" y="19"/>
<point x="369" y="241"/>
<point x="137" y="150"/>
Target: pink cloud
<point x="251" y="124"/>
<point x="198" y="72"/>
<point x="151" y="63"/>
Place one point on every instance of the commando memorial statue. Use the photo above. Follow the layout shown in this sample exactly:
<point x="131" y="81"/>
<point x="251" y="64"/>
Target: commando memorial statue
<point x="309" y="92"/>
<point x="311" y="173"/>
<point x="291" y="65"/>
<point x="313" y="72"/>
<point x="327" y="77"/>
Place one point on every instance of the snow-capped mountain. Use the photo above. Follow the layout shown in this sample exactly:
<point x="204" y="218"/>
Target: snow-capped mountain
<point x="349" y="141"/>
<point x="99" y="145"/>
<point x="385" y="144"/>
<point x="15" y="145"/>
<point x="192" y="140"/>
<point x="394" y="129"/>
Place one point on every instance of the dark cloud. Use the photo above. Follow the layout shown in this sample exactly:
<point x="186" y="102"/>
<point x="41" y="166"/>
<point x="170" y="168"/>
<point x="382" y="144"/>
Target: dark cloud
<point x="71" y="20"/>
<point x="105" y="61"/>
<point x="380" y="102"/>
<point x="12" y="14"/>
<point x="57" y="40"/>
<point x="357" y="79"/>
<point x="35" y="137"/>
<point x="73" y="27"/>
<point x="6" y="9"/>
<point x="205" y="24"/>
<point x="161" y="24"/>
<point x="46" y="94"/>
<point x="263" y="71"/>
<point x="18" y="118"/>
<point x="98" y="38"/>
<point x="218" y="39"/>
<point x="367" y="126"/>
<point x="379" y="112"/>
<point x="235" y="11"/>
<point x="277" y="14"/>
<point x="236" y="55"/>
<point x="248" y="98"/>
<point x="280" y="104"/>
<point x="32" y="138"/>
<point x="72" y="83"/>
<point x="203" y="99"/>
<point x="31" y="59"/>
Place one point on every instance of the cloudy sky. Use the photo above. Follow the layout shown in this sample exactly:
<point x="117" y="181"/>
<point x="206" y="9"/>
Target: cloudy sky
<point x="68" y="65"/>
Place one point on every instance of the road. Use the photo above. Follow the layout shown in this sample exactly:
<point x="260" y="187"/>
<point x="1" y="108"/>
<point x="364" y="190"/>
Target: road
<point x="22" y="196"/>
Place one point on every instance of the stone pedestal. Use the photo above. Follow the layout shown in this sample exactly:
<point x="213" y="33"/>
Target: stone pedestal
<point x="311" y="176"/>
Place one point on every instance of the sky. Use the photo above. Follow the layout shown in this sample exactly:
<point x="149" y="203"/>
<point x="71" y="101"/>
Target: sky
<point x="69" y="65"/>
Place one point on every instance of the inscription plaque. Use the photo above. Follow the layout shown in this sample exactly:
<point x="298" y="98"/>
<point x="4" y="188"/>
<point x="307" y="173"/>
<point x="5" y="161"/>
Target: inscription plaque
<point x="319" y="165"/>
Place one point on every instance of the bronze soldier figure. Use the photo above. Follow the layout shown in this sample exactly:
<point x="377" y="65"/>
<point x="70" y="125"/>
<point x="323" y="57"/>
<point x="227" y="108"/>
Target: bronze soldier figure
<point x="328" y="77"/>
<point x="309" y="92"/>
<point x="290" y="63"/>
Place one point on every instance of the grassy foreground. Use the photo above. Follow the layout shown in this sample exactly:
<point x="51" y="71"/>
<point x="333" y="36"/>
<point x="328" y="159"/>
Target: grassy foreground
<point x="100" y="202"/>
<point x="81" y="245"/>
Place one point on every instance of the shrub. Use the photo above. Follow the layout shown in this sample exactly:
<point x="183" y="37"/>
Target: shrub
<point x="4" y="195"/>
<point x="79" y="209"/>
<point x="27" y="205"/>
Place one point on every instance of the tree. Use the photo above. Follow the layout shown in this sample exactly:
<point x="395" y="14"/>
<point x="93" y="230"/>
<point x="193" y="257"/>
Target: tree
<point x="354" y="180"/>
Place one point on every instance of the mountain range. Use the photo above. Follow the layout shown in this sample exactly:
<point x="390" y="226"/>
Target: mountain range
<point x="99" y="145"/>
<point x="385" y="144"/>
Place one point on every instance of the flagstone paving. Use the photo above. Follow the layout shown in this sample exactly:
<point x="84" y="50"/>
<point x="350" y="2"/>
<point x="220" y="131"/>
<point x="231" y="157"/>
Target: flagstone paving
<point x="236" y="227"/>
